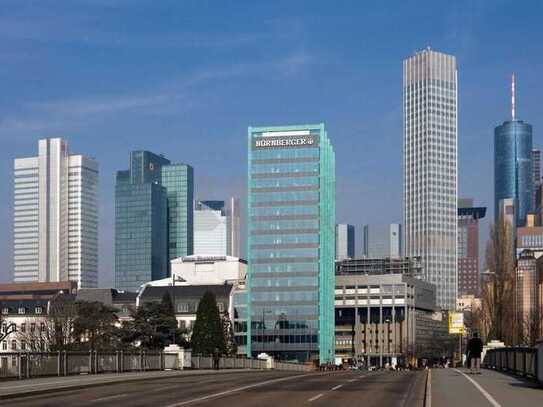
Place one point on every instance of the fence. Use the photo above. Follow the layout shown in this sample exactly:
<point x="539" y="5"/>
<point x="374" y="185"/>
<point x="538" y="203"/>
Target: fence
<point x="24" y="365"/>
<point x="518" y="361"/>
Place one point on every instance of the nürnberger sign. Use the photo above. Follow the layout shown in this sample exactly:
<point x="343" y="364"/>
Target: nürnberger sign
<point x="284" y="142"/>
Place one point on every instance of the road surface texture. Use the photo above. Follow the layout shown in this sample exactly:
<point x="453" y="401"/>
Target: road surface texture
<point x="244" y="389"/>
<point x="456" y="387"/>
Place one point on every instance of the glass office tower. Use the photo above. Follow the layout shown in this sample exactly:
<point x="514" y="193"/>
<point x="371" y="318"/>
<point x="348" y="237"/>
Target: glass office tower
<point x="153" y="218"/>
<point x="291" y="243"/>
<point x="513" y="167"/>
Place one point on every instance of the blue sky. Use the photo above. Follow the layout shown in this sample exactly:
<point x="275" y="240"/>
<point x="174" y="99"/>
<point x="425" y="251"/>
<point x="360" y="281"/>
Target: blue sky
<point x="186" y="78"/>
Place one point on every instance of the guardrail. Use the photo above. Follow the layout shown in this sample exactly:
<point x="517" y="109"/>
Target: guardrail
<point x="25" y="365"/>
<point x="518" y="361"/>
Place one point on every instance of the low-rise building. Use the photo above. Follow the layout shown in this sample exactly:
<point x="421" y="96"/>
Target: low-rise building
<point x="123" y="301"/>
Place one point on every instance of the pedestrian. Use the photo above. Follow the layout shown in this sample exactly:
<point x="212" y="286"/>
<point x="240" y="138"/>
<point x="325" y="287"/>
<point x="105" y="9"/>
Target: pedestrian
<point x="473" y="353"/>
<point x="216" y="359"/>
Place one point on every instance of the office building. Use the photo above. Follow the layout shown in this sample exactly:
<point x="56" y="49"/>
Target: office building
<point x="536" y="174"/>
<point x="344" y="241"/>
<point x="430" y="168"/>
<point x="55" y="222"/>
<point x="383" y="240"/>
<point x="529" y="237"/>
<point x="233" y="228"/>
<point x="527" y="297"/>
<point x="153" y="218"/>
<point x="210" y="228"/>
<point x="386" y="316"/>
<point x="513" y="176"/>
<point x="468" y="247"/>
<point x="291" y="231"/>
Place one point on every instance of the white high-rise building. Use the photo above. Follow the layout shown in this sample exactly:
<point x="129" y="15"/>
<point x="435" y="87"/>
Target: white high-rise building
<point x="210" y="237"/>
<point x="55" y="216"/>
<point x="430" y="168"/>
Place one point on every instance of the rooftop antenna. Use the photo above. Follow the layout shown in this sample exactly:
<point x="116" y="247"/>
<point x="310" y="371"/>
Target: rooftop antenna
<point x="513" y="97"/>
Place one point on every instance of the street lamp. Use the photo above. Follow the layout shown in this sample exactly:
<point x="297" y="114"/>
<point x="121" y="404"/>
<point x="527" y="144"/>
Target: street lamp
<point x="174" y="279"/>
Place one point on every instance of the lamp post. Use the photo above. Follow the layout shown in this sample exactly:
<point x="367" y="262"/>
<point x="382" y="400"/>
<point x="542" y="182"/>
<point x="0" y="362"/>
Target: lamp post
<point x="174" y="279"/>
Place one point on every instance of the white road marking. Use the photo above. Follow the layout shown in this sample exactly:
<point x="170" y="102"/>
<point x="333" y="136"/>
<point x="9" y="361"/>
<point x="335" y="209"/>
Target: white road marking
<point x="115" y="396"/>
<point x="318" y="396"/>
<point x="337" y="387"/>
<point x="490" y="399"/>
<point x="352" y="380"/>
<point x="237" y="389"/>
<point x="428" y="401"/>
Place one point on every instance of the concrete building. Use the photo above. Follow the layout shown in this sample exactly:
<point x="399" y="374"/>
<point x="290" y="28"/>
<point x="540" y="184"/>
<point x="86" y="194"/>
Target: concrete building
<point x="383" y="240"/>
<point x="386" y="317"/>
<point x="513" y="176"/>
<point x="55" y="216"/>
<point x="210" y="228"/>
<point x="206" y="270"/>
<point x="430" y="168"/>
<point x="345" y="242"/>
<point x="153" y="218"/>
<point x="291" y="230"/>
<point x="468" y="247"/>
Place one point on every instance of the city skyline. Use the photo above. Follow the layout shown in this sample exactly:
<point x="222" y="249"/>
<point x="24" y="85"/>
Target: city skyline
<point x="93" y="130"/>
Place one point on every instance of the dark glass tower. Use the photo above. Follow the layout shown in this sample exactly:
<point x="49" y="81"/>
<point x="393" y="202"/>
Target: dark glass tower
<point x="513" y="166"/>
<point x="153" y="218"/>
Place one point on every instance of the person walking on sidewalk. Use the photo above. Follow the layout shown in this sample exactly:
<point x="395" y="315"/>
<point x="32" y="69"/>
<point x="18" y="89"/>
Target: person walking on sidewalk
<point x="473" y="353"/>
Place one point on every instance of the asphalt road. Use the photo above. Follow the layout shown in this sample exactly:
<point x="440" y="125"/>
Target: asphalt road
<point x="277" y="389"/>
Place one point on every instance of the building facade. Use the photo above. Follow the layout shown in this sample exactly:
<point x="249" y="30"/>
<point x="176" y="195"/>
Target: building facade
<point x="206" y="270"/>
<point x="513" y="177"/>
<point x="153" y="218"/>
<point x="55" y="216"/>
<point x="233" y="227"/>
<point x="210" y="228"/>
<point x="383" y="240"/>
<point x="430" y="168"/>
<point x="469" y="278"/>
<point x="344" y="241"/>
<point x="536" y="174"/>
<point x="529" y="316"/>
<point x="291" y="230"/>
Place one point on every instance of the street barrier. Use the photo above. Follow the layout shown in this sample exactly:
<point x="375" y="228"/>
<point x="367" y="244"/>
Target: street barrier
<point x="25" y="365"/>
<point x="518" y="361"/>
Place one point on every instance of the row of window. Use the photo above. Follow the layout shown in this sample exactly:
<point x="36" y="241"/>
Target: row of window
<point x="22" y="310"/>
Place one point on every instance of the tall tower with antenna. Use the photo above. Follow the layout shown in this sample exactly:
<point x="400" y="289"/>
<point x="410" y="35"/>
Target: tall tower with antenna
<point x="513" y="177"/>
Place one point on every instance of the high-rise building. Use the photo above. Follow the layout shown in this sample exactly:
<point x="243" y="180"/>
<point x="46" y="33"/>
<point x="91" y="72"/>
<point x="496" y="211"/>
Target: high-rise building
<point x="469" y="278"/>
<point x="56" y="216"/>
<point x="233" y="228"/>
<point x="430" y="168"/>
<point x="291" y="205"/>
<point x="513" y="176"/>
<point x="383" y="240"/>
<point x="536" y="174"/>
<point x="344" y="241"/>
<point x="153" y="218"/>
<point x="210" y="233"/>
<point x="527" y="297"/>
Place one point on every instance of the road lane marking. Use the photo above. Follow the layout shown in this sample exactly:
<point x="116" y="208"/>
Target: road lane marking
<point x="115" y="396"/>
<point x="235" y="390"/>
<point x="352" y="380"/>
<point x="337" y="387"/>
<point x="487" y="395"/>
<point x="428" y="401"/>
<point x="318" y="396"/>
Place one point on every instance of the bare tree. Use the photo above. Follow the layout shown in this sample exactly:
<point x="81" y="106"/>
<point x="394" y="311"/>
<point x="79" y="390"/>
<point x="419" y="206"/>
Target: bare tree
<point x="498" y="300"/>
<point x="530" y="327"/>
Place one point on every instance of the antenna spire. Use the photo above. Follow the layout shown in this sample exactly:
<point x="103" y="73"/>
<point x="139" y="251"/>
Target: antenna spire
<point x="513" y="97"/>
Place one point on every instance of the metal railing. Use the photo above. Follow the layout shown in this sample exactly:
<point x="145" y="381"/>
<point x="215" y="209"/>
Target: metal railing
<point x="518" y="361"/>
<point x="25" y="365"/>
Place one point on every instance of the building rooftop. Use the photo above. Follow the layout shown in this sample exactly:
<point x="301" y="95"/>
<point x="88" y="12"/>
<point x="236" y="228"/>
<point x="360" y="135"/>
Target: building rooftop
<point x="187" y="290"/>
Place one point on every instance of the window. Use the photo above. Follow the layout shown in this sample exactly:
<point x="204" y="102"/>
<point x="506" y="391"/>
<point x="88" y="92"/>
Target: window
<point x="21" y="310"/>
<point x="182" y="324"/>
<point x="4" y="345"/>
<point x="42" y="327"/>
<point x="220" y="305"/>
<point x="4" y="327"/>
<point x="23" y="327"/>
<point x="33" y="327"/>
<point x="182" y="307"/>
<point x="38" y="310"/>
<point x="23" y="345"/>
<point x="13" y="344"/>
<point x="5" y="311"/>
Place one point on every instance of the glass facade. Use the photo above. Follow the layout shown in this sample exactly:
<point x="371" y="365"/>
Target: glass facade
<point x="291" y="243"/>
<point x="153" y="218"/>
<point x="513" y="167"/>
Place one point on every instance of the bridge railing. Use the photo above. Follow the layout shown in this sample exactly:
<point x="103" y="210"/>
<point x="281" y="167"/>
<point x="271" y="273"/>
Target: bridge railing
<point x="518" y="361"/>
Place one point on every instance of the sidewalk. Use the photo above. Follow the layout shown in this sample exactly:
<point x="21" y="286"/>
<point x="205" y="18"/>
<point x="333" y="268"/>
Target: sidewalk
<point x="452" y="387"/>
<point x="17" y="388"/>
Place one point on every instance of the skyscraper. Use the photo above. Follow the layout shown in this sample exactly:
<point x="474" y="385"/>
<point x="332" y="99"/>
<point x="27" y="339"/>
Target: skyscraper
<point x="233" y="228"/>
<point x="344" y="241"/>
<point x="468" y="247"/>
<point x="383" y="240"/>
<point x="430" y="168"/>
<point x="210" y="226"/>
<point x="513" y="176"/>
<point x="56" y="216"/>
<point x="536" y="174"/>
<point x="291" y="228"/>
<point x="153" y="218"/>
